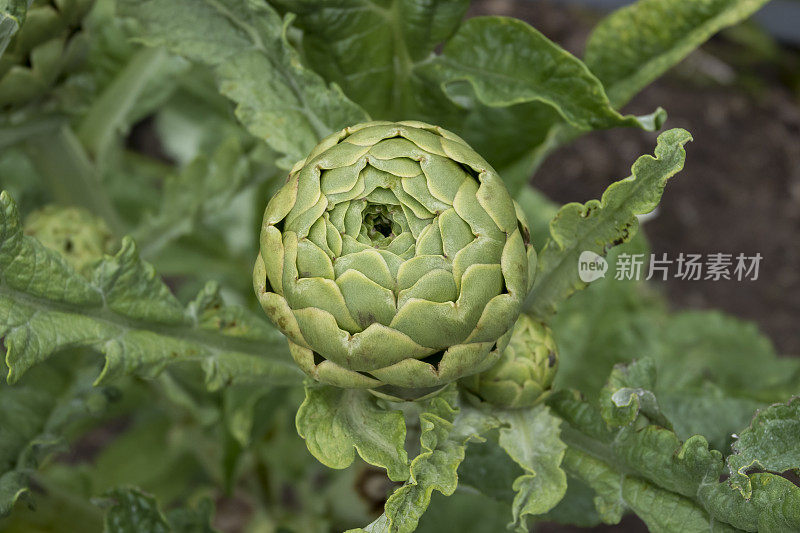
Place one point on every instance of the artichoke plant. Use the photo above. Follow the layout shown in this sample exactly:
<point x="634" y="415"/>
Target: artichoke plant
<point x="49" y="43"/>
<point x="524" y="374"/>
<point x="80" y="237"/>
<point x="393" y="259"/>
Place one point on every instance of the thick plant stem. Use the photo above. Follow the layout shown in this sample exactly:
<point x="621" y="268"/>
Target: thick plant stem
<point x="111" y="109"/>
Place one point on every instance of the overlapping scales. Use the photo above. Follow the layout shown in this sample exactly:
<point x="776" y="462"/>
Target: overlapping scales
<point x="393" y="255"/>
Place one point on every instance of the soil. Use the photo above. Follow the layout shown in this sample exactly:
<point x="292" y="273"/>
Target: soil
<point x="739" y="191"/>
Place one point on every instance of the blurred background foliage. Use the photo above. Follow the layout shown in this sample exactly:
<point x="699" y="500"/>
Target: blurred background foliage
<point x="150" y="146"/>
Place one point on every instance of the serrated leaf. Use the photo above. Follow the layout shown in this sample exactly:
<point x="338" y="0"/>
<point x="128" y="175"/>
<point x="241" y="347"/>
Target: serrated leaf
<point x="602" y="479"/>
<point x="445" y="431"/>
<point x="334" y="421"/>
<point x="37" y="413"/>
<point x="629" y="393"/>
<point x="638" y="43"/>
<point x="601" y="224"/>
<point x="531" y="439"/>
<point x="774" y="506"/>
<point x="646" y="468"/>
<point x="278" y="99"/>
<point x="577" y="507"/>
<point x="771" y="442"/>
<point x="538" y="71"/>
<point x="126" y="312"/>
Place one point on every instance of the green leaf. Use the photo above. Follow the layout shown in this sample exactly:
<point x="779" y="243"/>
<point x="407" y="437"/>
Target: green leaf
<point x="629" y="393"/>
<point x="644" y="467"/>
<point x="531" y="439"/>
<point x="638" y="43"/>
<point x="609" y="322"/>
<point x="278" y="99"/>
<point x="69" y="174"/>
<point x="464" y="511"/>
<point x="489" y="470"/>
<point x="110" y="111"/>
<point x="537" y="71"/>
<point x="206" y="186"/>
<point x="715" y="371"/>
<point x="601" y="224"/>
<point x="700" y="346"/>
<point x="333" y="421"/>
<point x="402" y="77"/>
<point x="126" y="312"/>
<point x="444" y="432"/>
<point x="12" y="15"/>
<point x="130" y="510"/>
<point x="372" y="49"/>
<point x="150" y="453"/>
<point x="772" y="442"/>
<point x="37" y="413"/>
<point x="576" y="508"/>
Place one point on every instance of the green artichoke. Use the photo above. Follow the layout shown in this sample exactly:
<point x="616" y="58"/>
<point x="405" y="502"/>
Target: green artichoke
<point x="524" y="374"/>
<point x="393" y="256"/>
<point x="49" y="43"/>
<point x="80" y="237"/>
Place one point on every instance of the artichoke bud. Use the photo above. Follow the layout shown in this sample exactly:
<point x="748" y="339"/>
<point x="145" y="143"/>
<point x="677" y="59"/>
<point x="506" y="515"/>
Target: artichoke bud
<point x="49" y="44"/>
<point x="524" y="374"/>
<point x="80" y="237"/>
<point x="393" y="259"/>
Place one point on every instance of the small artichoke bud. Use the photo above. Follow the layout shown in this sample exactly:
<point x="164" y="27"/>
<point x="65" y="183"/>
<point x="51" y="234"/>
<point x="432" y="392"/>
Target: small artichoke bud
<point x="80" y="237"/>
<point x="524" y="374"/>
<point x="393" y="258"/>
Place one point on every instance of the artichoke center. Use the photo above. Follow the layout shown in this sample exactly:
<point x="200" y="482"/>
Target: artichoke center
<point x="382" y="223"/>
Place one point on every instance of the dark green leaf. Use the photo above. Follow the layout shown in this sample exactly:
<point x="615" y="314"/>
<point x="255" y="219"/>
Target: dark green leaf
<point x="371" y="49"/>
<point x="278" y="99"/>
<point x="639" y="42"/>
<point x="537" y="70"/>
<point x="37" y="413"/>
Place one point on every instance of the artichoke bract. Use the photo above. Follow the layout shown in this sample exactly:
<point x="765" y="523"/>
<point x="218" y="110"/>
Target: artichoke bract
<point x="524" y="374"/>
<point x="393" y="256"/>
